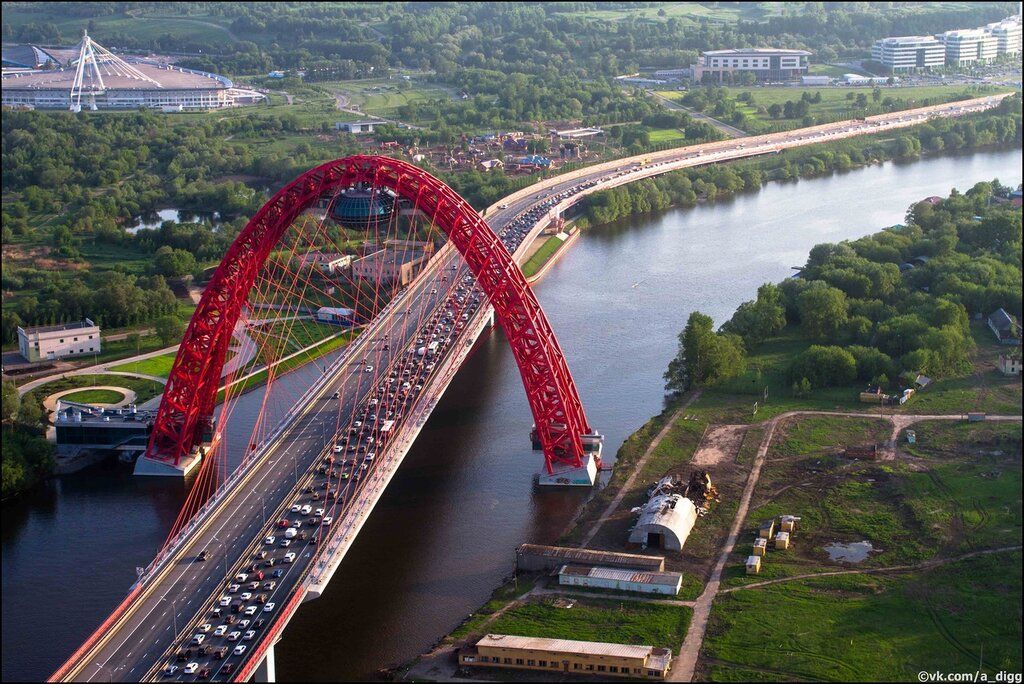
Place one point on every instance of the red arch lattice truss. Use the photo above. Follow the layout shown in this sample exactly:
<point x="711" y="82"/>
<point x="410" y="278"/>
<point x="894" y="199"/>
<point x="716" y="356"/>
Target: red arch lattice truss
<point x="191" y="391"/>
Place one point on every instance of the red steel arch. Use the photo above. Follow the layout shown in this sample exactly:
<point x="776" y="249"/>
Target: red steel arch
<point x="189" y="397"/>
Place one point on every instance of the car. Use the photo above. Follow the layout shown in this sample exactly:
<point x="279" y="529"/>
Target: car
<point x="230" y="620"/>
<point x="205" y="627"/>
<point x="251" y="610"/>
<point x="336" y="395"/>
<point x="169" y="670"/>
<point x="253" y="586"/>
<point x="191" y="668"/>
<point x="241" y="577"/>
<point x="269" y="607"/>
<point x="501" y="206"/>
<point x="279" y="573"/>
<point x="233" y="588"/>
<point x="368" y="369"/>
<point x="228" y="669"/>
<point x="234" y="636"/>
<point x="248" y="636"/>
<point x="296" y="508"/>
<point x="271" y="539"/>
<point x="204" y="673"/>
<point x="221" y="630"/>
<point x="285" y="543"/>
<point x="239" y="650"/>
<point x="328" y="520"/>
<point x="306" y="510"/>
<point x="225" y="601"/>
<point x="338" y="448"/>
<point x="203" y="555"/>
<point x="198" y="639"/>
<point x="289" y="557"/>
<point x="269" y="585"/>
<point x="320" y="511"/>
<point x="245" y="597"/>
<point x="220" y="653"/>
<point x="262" y="598"/>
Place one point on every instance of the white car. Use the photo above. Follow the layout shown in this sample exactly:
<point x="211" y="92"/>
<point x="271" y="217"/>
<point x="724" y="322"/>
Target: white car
<point x="239" y="649"/>
<point x="251" y="610"/>
<point x="234" y="636"/>
<point x="198" y="639"/>
<point x="225" y="601"/>
<point x="285" y="543"/>
<point x="269" y="541"/>
<point x="191" y="668"/>
<point x="206" y="627"/>
<point x="169" y="670"/>
<point x="296" y="508"/>
<point x="221" y="630"/>
<point x="319" y="512"/>
<point x="233" y="589"/>
<point x="289" y="557"/>
<point x="268" y="607"/>
<point x="327" y="521"/>
<point x="249" y="635"/>
<point x="368" y="369"/>
<point x="338" y="448"/>
<point x="241" y="577"/>
<point x="245" y="597"/>
<point x="242" y="624"/>
<point x="306" y="509"/>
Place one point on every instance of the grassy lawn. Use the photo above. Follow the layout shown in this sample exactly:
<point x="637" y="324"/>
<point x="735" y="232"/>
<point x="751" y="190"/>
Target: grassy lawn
<point x="688" y="12"/>
<point x="144" y="389"/>
<point x="98" y="396"/>
<point x="541" y="256"/>
<point x="290" y="336"/>
<point x="813" y="434"/>
<point x="144" y="27"/>
<point x="159" y="366"/>
<point x="622" y="622"/>
<point x="666" y="135"/>
<point x="870" y="627"/>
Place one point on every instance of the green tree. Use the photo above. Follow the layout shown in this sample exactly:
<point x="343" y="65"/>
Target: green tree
<point x="829" y="366"/>
<point x="169" y="329"/>
<point x="174" y="263"/>
<point x="824" y="311"/>
<point x="11" y="402"/>
<point x="704" y="356"/>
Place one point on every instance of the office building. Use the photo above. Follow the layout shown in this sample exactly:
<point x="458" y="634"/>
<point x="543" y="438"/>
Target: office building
<point x="51" y="342"/>
<point x="766" y="64"/>
<point x="968" y="46"/>
<point x="909" y="53"/>
<point x="1008" y="36"/>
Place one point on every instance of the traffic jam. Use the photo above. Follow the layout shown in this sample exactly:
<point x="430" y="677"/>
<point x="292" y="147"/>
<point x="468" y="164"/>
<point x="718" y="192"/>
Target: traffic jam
<point x="235" y="621"/>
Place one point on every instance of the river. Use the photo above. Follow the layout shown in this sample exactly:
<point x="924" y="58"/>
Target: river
<point x="443" y="535"/>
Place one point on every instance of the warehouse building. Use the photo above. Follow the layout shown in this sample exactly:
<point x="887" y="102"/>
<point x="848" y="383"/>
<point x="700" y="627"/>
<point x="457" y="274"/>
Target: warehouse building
<point x="665" y="522"/>
<point x="565" y="656"/>
<point x="51" y="342"/>
<point x="621" y="579"/>
<point x="537" y="558"/>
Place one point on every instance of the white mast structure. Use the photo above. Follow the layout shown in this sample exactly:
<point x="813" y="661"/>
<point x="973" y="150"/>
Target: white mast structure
<point x="93" y="62"/>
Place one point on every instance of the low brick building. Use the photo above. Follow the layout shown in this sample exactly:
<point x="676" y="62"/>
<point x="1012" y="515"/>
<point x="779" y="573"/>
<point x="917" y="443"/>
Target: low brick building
<point x="565" y="656"/>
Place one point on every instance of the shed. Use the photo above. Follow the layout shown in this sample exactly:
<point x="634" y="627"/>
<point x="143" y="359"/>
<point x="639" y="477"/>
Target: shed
<point x="753" y="565"/>
<point x="760" y="546"/>
<point x="535" y="557"/>
<point x="1005" y="327"/>
<point x="766" y="529"/>
<point x="789" y="523"/>
<point x="621" y="579"/>
<point x="665" y="522"/>
<point x="1009" y="364"/>
<point x="782" y="540"/>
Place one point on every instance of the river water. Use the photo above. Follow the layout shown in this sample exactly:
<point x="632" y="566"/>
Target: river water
<point x="443" y="535"/>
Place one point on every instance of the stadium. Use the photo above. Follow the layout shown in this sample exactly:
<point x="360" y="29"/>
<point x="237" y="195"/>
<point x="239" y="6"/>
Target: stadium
<point x="91" y="77"/>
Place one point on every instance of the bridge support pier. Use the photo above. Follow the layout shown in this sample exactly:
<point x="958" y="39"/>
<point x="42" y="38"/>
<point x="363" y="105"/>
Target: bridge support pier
<point x="151" y="466"/>
<point x="266" y="671"/>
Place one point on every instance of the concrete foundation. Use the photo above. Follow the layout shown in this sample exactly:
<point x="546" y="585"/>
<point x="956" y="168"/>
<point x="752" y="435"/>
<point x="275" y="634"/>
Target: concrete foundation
<point x="569" y="476"/>
<point x="151" y="467"/>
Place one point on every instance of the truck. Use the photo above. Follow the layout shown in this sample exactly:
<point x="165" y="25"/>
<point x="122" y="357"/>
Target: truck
<point x="290" y="533"/>
<point x="432" y="348"/>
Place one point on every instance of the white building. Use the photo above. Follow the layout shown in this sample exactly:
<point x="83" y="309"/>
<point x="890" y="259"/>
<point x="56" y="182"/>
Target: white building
<point x="968" y="46"/>
<point x="49" y="342"/>
<point x="766" y="64"/>
<point x="356" y="126"/>
<point x="674" y="74"/>
<point x="621" y="579"/>
<point x="909" y="53"/>
<point x="1008" y="36"/>
<point x="665" y="522"/>
<point x="335" y="315"/>
<point x="327" y="262"/>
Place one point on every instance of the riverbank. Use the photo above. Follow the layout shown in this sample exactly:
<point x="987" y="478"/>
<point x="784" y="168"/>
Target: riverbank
<point x="774" y="451"/>
<point x="689" y="187"/>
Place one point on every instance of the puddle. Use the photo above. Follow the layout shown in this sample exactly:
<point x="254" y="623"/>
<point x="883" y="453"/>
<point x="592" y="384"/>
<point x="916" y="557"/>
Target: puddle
<point x="854" y="552"/>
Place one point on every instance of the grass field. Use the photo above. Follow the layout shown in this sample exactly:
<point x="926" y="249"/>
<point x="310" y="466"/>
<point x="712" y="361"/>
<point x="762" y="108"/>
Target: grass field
<point x="541" y="256"/>
<point x="144" y="389"/>
<point x="871" y="627"/>
<point x="159" y="366"/>
<point x="666" y="135"/>
<point x="97" y="396"/>
<point x="689" y="12"/>
<point x="597" y="620"/>
<point x="143" y="27"/>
